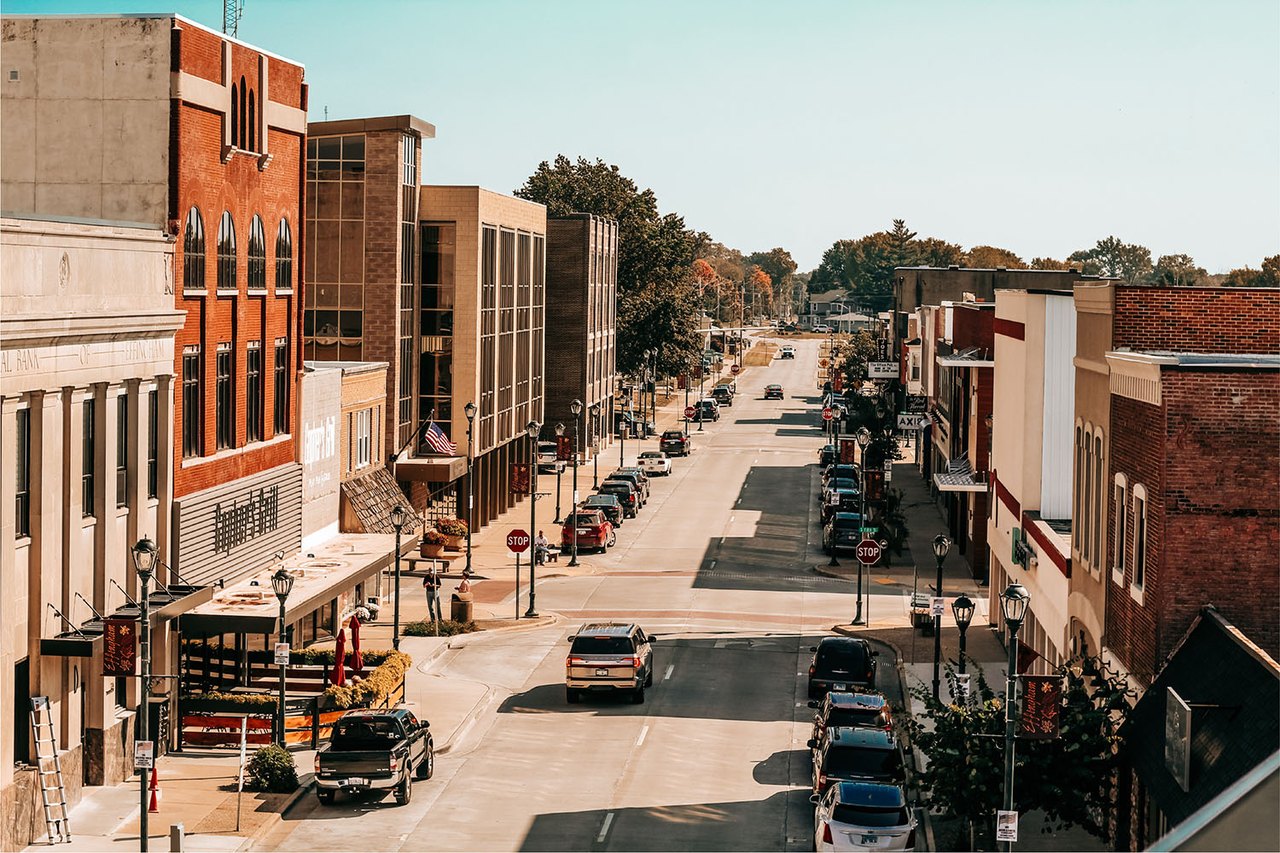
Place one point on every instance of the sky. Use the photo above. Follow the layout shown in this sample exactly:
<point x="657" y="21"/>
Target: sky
<point x="1040" y="127"/>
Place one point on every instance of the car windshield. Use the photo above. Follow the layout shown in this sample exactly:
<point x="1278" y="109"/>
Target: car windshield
<point x="581" y="520"/>
<point x="843" y="658"/>
<point x="856" y="717"/>
<point x="364" y="733"/>
<point x="842" y="484"/>
<point x="615" y="487"/>
<point x="866" y="816"/>
<point x="601" y="645"/>
<point x="673" y="434"/>
<point x="847" y="521"/>
<point x="652" y="454"/>
<point x="857" y="761"/>
<point x="602" y="500"/>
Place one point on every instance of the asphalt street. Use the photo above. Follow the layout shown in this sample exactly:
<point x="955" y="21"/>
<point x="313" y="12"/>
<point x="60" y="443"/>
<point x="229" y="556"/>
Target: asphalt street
<point x="720" y="566"/>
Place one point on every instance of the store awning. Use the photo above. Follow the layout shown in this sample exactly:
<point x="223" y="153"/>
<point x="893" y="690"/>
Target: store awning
<point x="319" y="575"/>
<point x="958" y="477"/>
<point x="431" y="469"/>
<point x="165" y="603"/>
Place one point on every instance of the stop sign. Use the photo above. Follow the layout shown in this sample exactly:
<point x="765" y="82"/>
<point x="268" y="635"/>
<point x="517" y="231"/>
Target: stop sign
<point x="827" y="414"/>
<point x="868" y="552"/>
<point x="688" y="411"/>
<point x="517" y="541"/>
<point x="736" y="369"/>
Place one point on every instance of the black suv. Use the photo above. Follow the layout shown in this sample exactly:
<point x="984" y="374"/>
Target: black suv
<point x="841" y="664"/>
<point x="675" y="443"/>
<point x="854" y="710"/>
<point x="843" y="530"/>
<point x="625" y="493"/>
<point x="610" y="505"/>
<point x="855" y="755"/>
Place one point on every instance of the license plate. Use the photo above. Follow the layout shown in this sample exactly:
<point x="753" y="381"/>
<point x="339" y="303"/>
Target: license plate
<point x="355" y="781"/>
<point x="601" y="671"/>
<point x="839" y="686"/>
<point x="582" y="532"/>
<point x="870" y="840"/>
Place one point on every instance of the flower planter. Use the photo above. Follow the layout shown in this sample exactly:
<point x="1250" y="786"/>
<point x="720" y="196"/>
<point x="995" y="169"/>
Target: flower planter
<point x="429" y="550"/>
<point x="453" y="543"/>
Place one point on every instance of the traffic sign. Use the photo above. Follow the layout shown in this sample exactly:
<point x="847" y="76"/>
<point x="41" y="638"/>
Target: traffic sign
<point x="828" y="414"/>
<point x="868" y="552"/>
<point x="688" y="411"/>
<point x="517" y="541"/>
<point x="736" y="369"/>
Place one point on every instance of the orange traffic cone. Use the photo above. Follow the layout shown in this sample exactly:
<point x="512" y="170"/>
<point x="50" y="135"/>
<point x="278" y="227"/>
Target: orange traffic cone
<point x="154" y="808"/>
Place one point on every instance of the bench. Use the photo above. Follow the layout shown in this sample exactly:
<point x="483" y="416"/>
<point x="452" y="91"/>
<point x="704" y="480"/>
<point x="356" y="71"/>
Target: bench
<point x="553" y="554"/>
<point x="423" y="565"/>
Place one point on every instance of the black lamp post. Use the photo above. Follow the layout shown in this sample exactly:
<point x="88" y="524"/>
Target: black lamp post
<point x="962" y="609"/>
<point x="647" y="373"/>
<point x="941" y="546"/>
<point x="532" y="429"/>
<point x="595" y="445"/>
<point x="688" y="381"/>
<point x="144" y="563"/>
<point x="864" y="440"/>
<point x="559" y="471"/>
<point x="1013" y="601"/>
<point x="397" y="521"/>
<point x="470" y="411"/>
<point x="282" y="585"/>
<point x="653" y="392"/>
<point x="575" y="409"/>
<point x="702" y="392"/>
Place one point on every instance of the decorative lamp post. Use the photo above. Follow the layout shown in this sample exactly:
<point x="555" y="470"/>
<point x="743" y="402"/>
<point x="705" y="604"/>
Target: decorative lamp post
<point x="397" y="521"/>
<point x="941" y="547"/>
<point x="470" y="411"/>
<point x="595" y="445"/>
<point x="282" y="585"/>
<point x="688" y="381"/>
<point x="702" y="392"/>
<point x="864" y="440"/>
<point x="1013" y="601"/>
<point x="144" y="563"/>
<point x="653" y="393"/>
<point x="644" y="387"/>
<point x="962" y="609"/>
<point x="575" y="408"/>
<point x="532" y="429"/>
<point x="559" y="471"/>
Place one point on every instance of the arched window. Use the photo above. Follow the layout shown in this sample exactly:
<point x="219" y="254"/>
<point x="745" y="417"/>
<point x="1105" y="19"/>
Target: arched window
<point x="1099" y="501"/>
<point x="1120" y="541"/>
<point x="1087" y="503"/>
<point x="257" y="255"/>
<point x="243" y="106"/>
<point x="251" y="127"/>
<point x="1077" y="522"/>
<point x="1139" y="537"/>
<point x="284" y="257"/>
<point x="193" y="252"/>
<point x="235" y="117"/>
<point x="226" y="252"/>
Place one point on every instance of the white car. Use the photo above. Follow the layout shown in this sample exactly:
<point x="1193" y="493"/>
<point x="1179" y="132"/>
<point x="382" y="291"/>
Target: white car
<point x="655" y="462"/>
<point x="787" y="352"/>
<point x="822" y="328"/>
<point x="863" y="816"/>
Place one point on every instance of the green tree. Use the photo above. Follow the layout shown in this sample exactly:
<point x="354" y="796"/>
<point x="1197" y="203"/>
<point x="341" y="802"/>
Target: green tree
<point x="1050" y="264"/>
<point x="1115" y="258"/>
<point x="1268" y="276"/>
<point x="992" y="258"/>
<point x="1177" y="271"/>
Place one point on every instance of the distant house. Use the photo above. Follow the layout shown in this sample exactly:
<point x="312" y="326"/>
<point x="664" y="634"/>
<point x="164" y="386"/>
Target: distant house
<point x="823" y="305"/>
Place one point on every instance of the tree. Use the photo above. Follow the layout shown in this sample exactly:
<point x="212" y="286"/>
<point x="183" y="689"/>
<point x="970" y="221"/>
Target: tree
<point x="1177" y="271"/>
<point x="1049" y="264"/>
<point x="993" y="257"/>
<point x="761" y="288"/>
<point x="1116" y="259"/>
<point x="1268" y="276"/>
<point x="780" y="266"/>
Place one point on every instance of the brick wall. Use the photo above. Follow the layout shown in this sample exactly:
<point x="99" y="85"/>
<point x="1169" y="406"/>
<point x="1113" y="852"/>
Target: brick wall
<point x="201" y="53"/>
<point x="1197" y="319"/>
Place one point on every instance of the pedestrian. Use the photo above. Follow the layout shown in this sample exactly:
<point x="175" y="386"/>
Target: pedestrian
<point x="540" y="545"/>
<point x="431" y="586"/>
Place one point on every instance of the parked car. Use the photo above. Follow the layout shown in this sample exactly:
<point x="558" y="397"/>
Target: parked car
<point x="863" y="816"/>
<point x="855" y="755"/>
<point x="706" y="410"/>
<point x="840" y="500"/>
<point x="842" y="531"/>
<point x="837" y="484"/>
<point x="852" y="710"/>
<point x="594" y="531"/>
<point x="828" y="455"/>
<point x="656" y="462"/>
<point x="842" y="470"/>
<point x="675" y="443"/>
<point x="625" y="493"/>
<point x="822" y="329"/>
<point x="787" y="351"/>
<point x="841" y="664"/>
<point x="610" y="505"/>
<point x="728" y="386"/>
<point x="375" y="750"/>
<point x="722" y="395"/>
<point x="773" y="392"/>
<point x="635" y="477"/>
<point x="609" y="657"/>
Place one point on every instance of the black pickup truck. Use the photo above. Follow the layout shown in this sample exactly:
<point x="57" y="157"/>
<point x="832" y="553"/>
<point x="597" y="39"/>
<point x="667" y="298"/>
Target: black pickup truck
<point x="375" y="750"/>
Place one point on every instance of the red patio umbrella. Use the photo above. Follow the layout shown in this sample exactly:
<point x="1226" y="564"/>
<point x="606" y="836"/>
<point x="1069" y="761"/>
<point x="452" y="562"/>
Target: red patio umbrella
<point x="357" y="660"/>
<point x="339" y="675"/>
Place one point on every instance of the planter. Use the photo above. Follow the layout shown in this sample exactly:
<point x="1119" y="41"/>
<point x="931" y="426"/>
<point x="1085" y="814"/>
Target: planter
<point x="428" y="550"/>
<point x="453" y="543"/>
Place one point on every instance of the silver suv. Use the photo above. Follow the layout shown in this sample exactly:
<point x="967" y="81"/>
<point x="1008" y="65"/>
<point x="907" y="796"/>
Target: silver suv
<point x="607" y="657"/>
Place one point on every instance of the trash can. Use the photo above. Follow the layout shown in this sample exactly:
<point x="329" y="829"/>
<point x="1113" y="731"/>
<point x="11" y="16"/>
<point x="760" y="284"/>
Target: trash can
<point x="461" y="606"/>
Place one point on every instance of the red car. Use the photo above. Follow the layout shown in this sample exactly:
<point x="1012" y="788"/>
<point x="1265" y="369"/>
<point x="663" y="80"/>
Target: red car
<point x="594" y="531"/>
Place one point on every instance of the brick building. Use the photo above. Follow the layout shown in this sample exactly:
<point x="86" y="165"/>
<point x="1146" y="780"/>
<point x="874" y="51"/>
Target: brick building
<point x="582" y="291"/>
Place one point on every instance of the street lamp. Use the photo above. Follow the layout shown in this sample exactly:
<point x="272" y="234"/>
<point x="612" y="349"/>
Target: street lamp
<point x="702" y="391"/>
<point x="559" y="471"/>
<point x="653" y="392"/>
<point x="688" y="381"/>
<point x="1013" y="601"/>
<point x="864" y="439"/>
<point x="595" y="445"/>
<point x="941" y="547"/>
<point x="962" y="609"/>
<point x="532" y="429"/>
<point x="397" y="521"/>
<point x="470" y="411"/>
<point x="144" y="563"/>
<point x="575" y="408"/>
<point x="644" y="386"/>
<point x="282" y="585"/>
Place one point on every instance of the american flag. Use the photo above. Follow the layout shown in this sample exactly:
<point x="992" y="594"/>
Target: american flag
<point x="438" y="441"/>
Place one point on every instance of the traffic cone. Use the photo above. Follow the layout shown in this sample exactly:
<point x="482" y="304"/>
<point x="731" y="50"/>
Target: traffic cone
<point x="154" y="807"/>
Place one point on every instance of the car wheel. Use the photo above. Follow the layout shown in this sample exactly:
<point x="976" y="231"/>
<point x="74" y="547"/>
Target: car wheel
<point x="613" y="540"/>
<point x="637" y="698"/>
<point x="427" y="768"/>
<point x="404" y="791"/>
<point x="572" y="696"/>
<point x="326" y="798"/>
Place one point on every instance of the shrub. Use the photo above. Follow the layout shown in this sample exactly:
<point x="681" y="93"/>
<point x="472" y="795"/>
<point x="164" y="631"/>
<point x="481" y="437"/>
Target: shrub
<point x="272" y="770"/>
<point x="433" y="537"/>
<point x="451" y="526"/>
<point x="252" y="702"/>
<point x="448" y="628"/>
<point x="373" y="688"/>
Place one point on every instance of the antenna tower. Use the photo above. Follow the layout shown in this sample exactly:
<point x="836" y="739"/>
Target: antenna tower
<point x="231" y="12"/>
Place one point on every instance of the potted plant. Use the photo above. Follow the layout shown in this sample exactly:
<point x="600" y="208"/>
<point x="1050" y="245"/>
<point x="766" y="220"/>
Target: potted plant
<point x="453" y="530"/>
<point x="433" y="542"/>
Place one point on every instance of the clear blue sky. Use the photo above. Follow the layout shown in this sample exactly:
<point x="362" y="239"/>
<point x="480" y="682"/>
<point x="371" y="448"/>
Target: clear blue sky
<point x="1040" y="127"/>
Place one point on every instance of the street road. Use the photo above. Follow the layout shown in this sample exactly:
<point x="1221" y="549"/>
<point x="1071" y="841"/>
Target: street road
<point x="720" y="566"/>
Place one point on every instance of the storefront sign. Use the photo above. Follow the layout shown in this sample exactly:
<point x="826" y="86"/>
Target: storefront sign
<point x="882" y="370"/>
<point x="242" y="520"/>
<point x="119" y="647"/>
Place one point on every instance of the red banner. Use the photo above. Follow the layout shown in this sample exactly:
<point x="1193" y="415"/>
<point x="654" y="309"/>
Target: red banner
<point x="519" y="478"/>
<point x="848" y="451"/>
<point x="837" y="381"/>
<point x="875" y="484"/>
<point x="1026" y="657"/>
<point x="119" y="647"/>
<point x="1041" y="707"/>
<point x="564" y="448"/>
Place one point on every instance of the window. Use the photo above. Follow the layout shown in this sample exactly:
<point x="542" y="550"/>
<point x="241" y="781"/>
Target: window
<point x="364" y="438"/>
<point x="192" y="404"/>
<point x="122" y="450"/>
<point x="1121" y="514"/>
<point x="22" y="468"/>
<point x="284" y="257"/>
<point x="153" y="443"/>
<point x="87" y="460"/>
<point x="1086" y="515"/>
<point x="225" y="403"/>
<point x="257" y="255"/>
<point x="254" y="401"/>
<point x="1099" y="501"/>
<point x="226" y="252"/>
<point x="281" y="419"/>
<point x="1139" y="537"/>
<point x="193" y="252"/>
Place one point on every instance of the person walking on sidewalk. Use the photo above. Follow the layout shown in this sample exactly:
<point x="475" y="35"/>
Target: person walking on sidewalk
<point x="431" y="586"/>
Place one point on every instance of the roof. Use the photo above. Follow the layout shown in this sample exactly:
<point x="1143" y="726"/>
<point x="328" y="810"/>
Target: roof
<point x="1234" y="725"/>
<point x="424" y="129"/>
<point x="872" y="795"/>
<point x="863" y="738"/>
<point x="857" y="700"/>
<point x="1199" y="360"/>
<point x="608" y="629"/>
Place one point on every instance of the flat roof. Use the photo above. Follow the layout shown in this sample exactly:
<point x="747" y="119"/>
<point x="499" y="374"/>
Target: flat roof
<point x="1168" y="358"/>
<point x="425" y="129"/>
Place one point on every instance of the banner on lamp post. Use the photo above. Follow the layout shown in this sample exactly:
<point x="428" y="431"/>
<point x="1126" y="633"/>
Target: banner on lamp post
<point x="1041" y="707"/>
<point x="519" y="478"/>
<point x="119" y="647"/>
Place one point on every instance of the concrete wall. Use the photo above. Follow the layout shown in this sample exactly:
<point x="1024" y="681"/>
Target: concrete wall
<point x="320" y="453"/>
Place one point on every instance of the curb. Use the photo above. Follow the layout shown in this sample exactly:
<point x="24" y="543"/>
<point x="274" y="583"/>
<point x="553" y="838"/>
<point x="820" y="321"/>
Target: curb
<point x="463" y="730"/>
<point x="304" y="788"/>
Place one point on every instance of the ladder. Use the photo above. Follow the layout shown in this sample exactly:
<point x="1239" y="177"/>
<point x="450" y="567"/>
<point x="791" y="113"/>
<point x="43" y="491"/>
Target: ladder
<point x="52" y="792"/>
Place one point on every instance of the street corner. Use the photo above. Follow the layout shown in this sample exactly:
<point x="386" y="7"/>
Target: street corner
<point x="524" y="623"/>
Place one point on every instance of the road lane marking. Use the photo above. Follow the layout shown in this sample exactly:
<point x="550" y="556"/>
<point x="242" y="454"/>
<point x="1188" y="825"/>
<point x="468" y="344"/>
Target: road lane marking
<point x="604" y="830"/>
<point x="643" y="733"/>
<point x="670" y="669"/>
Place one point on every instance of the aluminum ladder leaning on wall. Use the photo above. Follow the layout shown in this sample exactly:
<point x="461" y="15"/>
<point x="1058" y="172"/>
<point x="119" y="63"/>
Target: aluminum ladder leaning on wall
<point x="54" y="796"/>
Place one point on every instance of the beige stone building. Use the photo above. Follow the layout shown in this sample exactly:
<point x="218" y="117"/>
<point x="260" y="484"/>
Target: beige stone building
<point x="87" y="325"/>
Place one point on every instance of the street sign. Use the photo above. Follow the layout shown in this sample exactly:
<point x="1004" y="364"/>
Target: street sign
<point x="868" y="531"/>
<point x="280" y="654"/>
<point x="888" y="471"/>
<point x="868" y="552"/>
<point x="689" y="411"/>
<point x="822" y="362"/>
<point x="517" y="541"/>
<point x="937" y="606"/>
<point x="1006" y="825"/>
<point x="144" y="754"/>
<point x="736" y="369"/>
<point x="828" y="414"/>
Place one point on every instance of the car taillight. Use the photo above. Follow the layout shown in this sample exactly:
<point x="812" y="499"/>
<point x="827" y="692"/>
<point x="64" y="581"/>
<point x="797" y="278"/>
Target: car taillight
<point x="812" y="670"/>
<point x="632" y="661"/>
<point x="826" y="834"/>
<point x="395" y="764"/>
<point x="575" y="662"/>
<point x="316" y="766"/>
<point x="822" y="780"/>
